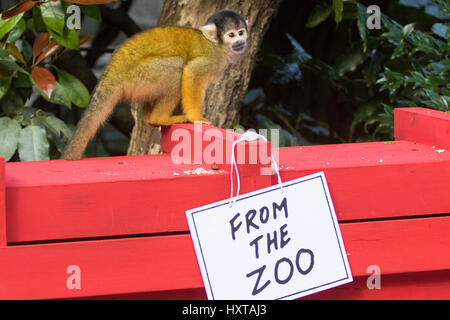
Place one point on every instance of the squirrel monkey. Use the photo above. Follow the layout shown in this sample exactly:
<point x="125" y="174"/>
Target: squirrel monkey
<point x="161" y="68"/>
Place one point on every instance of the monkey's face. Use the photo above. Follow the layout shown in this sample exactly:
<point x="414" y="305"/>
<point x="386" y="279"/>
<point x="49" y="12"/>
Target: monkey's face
<point x="235" y="42"/>
<point x="229" y="30"/>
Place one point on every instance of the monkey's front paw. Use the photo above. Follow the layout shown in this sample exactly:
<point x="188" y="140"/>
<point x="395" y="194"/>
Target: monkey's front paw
<point x="203" y="120"/>
<point x="163" y="121"/>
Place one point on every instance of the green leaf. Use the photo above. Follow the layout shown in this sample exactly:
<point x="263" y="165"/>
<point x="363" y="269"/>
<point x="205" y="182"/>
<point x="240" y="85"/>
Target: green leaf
<point x="436" y="101"/>
<point x="319" y="13"/>
<point x="5" y="72"/>
<point x="425" y="43"/>
<point x="408" y="29"/>
<point x="22" y="86"/>
<point x="5" y="83"/>
<point x="286" y="73"/>
<point x="253" y="95"/>
<point x="361" y="23"/>
<point x="289" y="68"/>
<point x="10" y="66"/>
<point x="441" y="30"/>
<point x="53" y="16"/>
<point x="299" y="55"/>
<point x="3" y="53"/>
<point x="7" y="25"/>
<point x="284" y="139"/>
<point x="69" y="39"/>
<point x="349" y="61"/>
<point x="399" y="51"/>
<point x="9" y="137"/>
<point x="416" y="78"/>
<point x="60" y="133"/>
<point x="27" y="50"/>
<point x="12" y="103"/>
<point x="365" y="112"/>
<point x="388" y="111"/>
<point x="395" y="33"/>
<point x="58" y="126"/>
<point x="37" y="23"/>
<point x="28" y="114"/>
<point x="92" y="11"/>
<point x="33" y="144"/>
<point x="61" y="95"/>
<point x="350" y="10"/>
<point x="338" y="8"/>
<point x="373" y="66"/>
<point x="17" y="31"/>
<point x="78" y="93"/>
<point x="391" y="80"/>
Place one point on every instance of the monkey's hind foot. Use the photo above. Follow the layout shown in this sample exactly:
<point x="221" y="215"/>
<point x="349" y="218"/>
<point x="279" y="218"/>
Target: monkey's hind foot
<point x="160" y="121"/>
<point x="199" y="119"/>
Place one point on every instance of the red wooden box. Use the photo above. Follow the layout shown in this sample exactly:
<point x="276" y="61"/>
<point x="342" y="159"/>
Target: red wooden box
<point x="121" y="221"/>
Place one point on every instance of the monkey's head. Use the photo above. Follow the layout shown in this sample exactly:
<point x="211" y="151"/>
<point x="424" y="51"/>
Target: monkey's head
<point x="229" y="30"/>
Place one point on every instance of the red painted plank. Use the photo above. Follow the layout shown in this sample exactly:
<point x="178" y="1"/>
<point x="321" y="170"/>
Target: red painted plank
<point x="2" y="204"/>
<point x="376" y="180"/>
<point x="422" y="125"/>
<point x="106" y="267"/>
<point x="148" y="194"/>
<point x="134" y="198"/>
<point x="411" y="286"/>
<point x="398" y="246"/>
<point x="408" y="286"/>
<point x="168" y="262"/>
<point x="109" y="196"/>
<point x="355" y="155"/>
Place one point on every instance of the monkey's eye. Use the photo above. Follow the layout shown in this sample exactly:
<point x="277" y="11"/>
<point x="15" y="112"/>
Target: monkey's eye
<point x="231" y="34"/>
<point x="241" y="33"/>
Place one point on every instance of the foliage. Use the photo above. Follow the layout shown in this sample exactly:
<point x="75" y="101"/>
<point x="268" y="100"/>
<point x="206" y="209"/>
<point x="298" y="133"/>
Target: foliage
<point x="399" y="65"/>
<point x="33" y="35"/>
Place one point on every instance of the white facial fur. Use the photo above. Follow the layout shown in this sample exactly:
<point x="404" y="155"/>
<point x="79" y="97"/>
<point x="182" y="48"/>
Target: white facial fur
<point x="235" y="42"/>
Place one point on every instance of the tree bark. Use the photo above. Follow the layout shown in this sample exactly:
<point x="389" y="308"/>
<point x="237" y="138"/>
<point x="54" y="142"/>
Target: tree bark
<point x="223" y="98"/>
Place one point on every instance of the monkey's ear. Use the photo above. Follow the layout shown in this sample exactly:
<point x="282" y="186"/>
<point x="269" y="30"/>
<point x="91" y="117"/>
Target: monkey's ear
<point x="210" y="32"/>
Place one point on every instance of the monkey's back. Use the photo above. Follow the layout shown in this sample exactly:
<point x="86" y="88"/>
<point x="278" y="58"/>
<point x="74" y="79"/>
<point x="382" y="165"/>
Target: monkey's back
<point x="187" y="43"/>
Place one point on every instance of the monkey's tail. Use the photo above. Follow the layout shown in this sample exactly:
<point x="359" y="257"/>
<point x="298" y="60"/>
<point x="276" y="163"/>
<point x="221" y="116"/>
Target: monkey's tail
<point x="100" y="108"/>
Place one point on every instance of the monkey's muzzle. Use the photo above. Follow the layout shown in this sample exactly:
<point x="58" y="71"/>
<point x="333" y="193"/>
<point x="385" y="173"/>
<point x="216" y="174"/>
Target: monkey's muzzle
<point x="238" y="46"/>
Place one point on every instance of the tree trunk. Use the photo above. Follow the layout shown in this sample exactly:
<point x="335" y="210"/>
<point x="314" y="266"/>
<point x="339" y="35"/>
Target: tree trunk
<point x="223" y="98"/>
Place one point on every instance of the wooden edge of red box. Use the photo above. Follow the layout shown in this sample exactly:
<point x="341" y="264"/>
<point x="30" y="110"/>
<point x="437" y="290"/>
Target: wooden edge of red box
<point x="2" y="203"/>
<point x="422" y="125"/>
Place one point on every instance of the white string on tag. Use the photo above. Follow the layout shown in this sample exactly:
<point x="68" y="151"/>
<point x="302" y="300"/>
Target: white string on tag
<point x="248" y="136"/>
